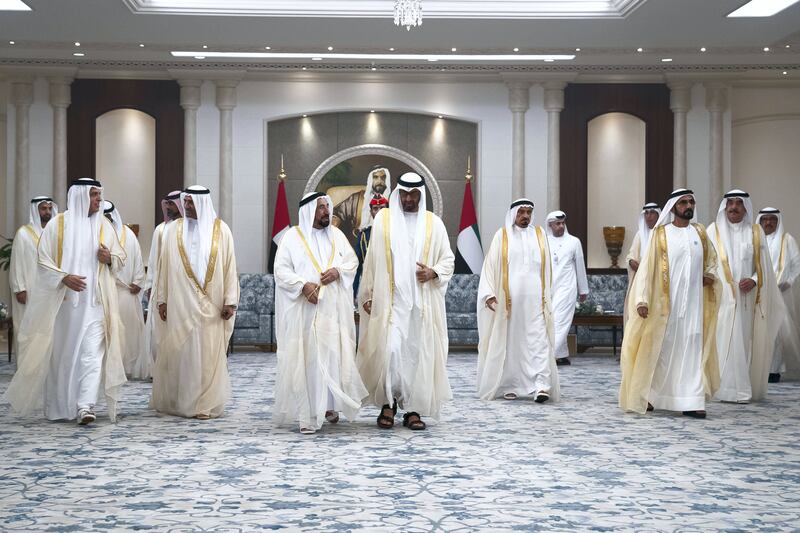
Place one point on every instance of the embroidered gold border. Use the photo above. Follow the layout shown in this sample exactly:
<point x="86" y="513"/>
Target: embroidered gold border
<point x="540" y="237"/>
<point x="757" y="260"/>
<point x="663" y="259"/>
<point x="212" y="259"/>
<point x="32" y="233"/>
<point x="723" y="258"/>
<point x="781" y="256"/>
<point x="387" y="241"/>
<point x="428" y="232"/>
<point x="504" y="270"/>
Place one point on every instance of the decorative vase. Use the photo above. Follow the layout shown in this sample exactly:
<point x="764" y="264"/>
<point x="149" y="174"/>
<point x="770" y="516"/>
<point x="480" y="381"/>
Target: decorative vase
<point x="614" y="237"/>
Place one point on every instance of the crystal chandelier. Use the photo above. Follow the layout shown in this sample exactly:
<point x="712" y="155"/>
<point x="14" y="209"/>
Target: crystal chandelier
<point x="408" y="13"/>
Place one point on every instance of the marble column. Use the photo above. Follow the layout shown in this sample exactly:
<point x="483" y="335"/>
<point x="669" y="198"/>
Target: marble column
<point x="554" y="104"/>
<point x="680" y="102"/>
<point x="226" y="102"/>
<point x="518" y="103"/>
<point x="716" y="103"/>
<point x="190" y="102"/>
<point x="22" y="98"/>
<point x="60" y="99"/>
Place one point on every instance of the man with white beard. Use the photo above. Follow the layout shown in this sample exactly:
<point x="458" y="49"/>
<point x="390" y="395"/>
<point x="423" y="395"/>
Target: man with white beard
<point x="647" y="221"/>
<point x="786" y="263"/>
<point x="25" y="258"/>
<point x="516" y="348"/>
<point x="669" y="357"/>
<point x="70" y="337"/>
<point x="402" y="355"/>
<point x="749" y="316"/>
<point x="314" y="271"/>
<point x="197" y="294"/>
<point x="130" y="278"/>
<point x="569" y="279"/>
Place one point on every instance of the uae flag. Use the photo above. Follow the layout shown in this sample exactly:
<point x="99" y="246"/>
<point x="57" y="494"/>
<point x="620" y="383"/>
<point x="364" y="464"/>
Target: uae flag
<point x="469" y="253"/>
<point x="279" y="224"/>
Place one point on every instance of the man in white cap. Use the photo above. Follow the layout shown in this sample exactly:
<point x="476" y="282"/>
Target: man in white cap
<point x="196" y="296"/>
<point x="647" y="221"/>
<point x="25" y="257"/>
<point x="70" y="337"/>
<point x="569" y="279"/>
<point x="314" y="270"/>
<point x="130" y="278"/>
<point x="669" y="357"/>
<point x="516" y="348"/>
<point x="748" y="314"/>
<point x="402" y="354"/>
<point x="786" y="263"/>
<point x="172" y="209"/>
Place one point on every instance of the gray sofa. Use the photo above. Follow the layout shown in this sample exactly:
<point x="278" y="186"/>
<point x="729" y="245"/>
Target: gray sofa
<point x="255" y="319"/>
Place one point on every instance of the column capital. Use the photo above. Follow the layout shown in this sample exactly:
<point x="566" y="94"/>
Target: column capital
<point x="519" y="95"/>
<point x="190" y="93"/>
<point x="226" y="93"/>
<point x="554" y="95"/>
<point x="60" y="91"/>
<point x="716" y="96"/>
<point x="680" y="96"/>
<point x="22" y="91"/>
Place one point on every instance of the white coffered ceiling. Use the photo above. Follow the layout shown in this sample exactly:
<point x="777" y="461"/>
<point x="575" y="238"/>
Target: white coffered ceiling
<point x="607" y="33"/>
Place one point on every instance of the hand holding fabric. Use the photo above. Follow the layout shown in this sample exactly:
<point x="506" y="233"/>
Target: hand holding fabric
<point x="425" y="273"/>
<point x="104" y="255"/>
<point x="329" y="276"/>
<point x="310" y="291"/>
<point x="746" y="285"/>
<point x="22" y="297"/>
<point x="74" y="282"/>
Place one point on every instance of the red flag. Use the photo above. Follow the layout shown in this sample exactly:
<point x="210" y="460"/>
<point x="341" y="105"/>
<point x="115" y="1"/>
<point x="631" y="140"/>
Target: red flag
<point x="469" y="252"/>
<point x="280" y="223"/>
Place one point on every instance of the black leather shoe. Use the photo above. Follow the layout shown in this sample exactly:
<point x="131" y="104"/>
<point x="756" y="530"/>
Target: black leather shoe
<point x="774" y="378"/>
<point x="563" y="361"/>
<point x="695" y="414"/>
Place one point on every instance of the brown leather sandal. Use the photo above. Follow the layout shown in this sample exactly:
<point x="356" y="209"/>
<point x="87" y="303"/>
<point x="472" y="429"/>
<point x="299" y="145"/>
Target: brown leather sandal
<point x="385" y="421"/>
<point x="413" y="421"/>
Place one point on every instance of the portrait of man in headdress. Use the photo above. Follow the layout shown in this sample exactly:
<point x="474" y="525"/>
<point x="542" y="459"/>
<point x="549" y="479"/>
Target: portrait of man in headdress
<point x="351" y="204"/>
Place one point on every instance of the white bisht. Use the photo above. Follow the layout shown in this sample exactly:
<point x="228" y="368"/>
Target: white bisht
<point x="197" y="277"/>
<point x="748" y="323"/>
<point x="153" y="325"/>
<point x="515" y="350"/>
<point x="24" y="260"/>
<point x="569" y="280"/>
<point x="638" y="249"/>
<point x="135" y="355"/>
<point x="786" y="263"/>
<point x="316" y="343"/>
<point x="403" y="344"/>
<point x="61" y="242"/>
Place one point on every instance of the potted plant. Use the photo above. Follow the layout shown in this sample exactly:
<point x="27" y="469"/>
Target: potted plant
<point x="5" y="254"/>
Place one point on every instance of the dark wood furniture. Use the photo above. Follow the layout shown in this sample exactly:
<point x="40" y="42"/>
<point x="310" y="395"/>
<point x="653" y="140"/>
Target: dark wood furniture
<point x="615" y="322"/>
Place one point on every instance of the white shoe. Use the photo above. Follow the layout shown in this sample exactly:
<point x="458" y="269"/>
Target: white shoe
<point x="509" y="396"/>
<point x="308" y="431"/>
<point x="86" y="416"/>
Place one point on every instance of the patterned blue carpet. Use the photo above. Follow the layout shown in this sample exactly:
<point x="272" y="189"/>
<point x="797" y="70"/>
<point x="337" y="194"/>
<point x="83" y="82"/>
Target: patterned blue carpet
<point x="500" y="466"/>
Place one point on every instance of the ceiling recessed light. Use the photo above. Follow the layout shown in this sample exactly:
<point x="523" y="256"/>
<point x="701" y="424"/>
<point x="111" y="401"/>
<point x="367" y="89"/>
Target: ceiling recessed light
<point x="666" y="59"/>
<point x="785" y="73"/>
<point x="440" y="116"/>
<point x="267" y="48"/>
<point x="432" y="60"/>
<point x="640" y="49"/>
<point x="316" y="59"/>
<point x="304" y="68"/>
<point x="205" y="46"/>
<point x="703" y="49"/>
<point x="79" y="54"/>
<point x="454" y="49"/>
<point x="516" y="49"/>
<point x="141" y="45"/>
<point x="199" y="57"/>
<point x="371" y="110"/>
<point x="77" y="43"/>
<point x="761" y="8"/>
<point x="373" y="69"/>
<point x="13" y="5"/>
<point x="330" y="49"/>
<point x="11" y="42"/>
<point x="788" y="46"/>
<point x="577" y="49"/>
<point x="391" y="49"/>
<point x="549" y="60"/>
<point x="442" y="69"/>
<point x="304" y="116"/>
<point x="766" y="48"/>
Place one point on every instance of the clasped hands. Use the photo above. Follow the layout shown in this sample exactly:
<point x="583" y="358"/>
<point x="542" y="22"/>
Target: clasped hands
<point x="227" y="312"/>
<point x="311" y="290"/>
